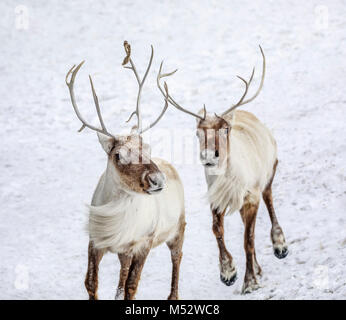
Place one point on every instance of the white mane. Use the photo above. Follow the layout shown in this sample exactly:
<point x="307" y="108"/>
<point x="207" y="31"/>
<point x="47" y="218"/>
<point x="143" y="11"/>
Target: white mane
<point x="112" y="225"/>
<point x="129" y="220"/>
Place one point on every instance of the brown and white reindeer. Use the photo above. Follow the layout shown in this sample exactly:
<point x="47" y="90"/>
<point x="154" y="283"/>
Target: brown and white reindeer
<point x="138" y="202"/>
<point x="239" y="155"/>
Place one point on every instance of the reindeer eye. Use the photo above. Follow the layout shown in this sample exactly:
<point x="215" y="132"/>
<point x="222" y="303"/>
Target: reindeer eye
<point x="117" y="156"/>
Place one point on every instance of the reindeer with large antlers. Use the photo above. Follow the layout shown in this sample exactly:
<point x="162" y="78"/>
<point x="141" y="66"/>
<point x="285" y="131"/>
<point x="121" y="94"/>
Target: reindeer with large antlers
<point x="138" y="202"/>
<point x="239" y="155"/>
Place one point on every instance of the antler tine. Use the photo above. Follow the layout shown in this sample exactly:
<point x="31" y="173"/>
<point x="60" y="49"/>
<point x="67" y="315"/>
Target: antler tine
<point x="139" y="81"/>
<point x="243" y="96"/>
<point x="247" y="84"/>
<point x="128" y="59"/>
<point x="262" y="79"/>
<point x="170" y="99"/>
<point x="96" y="101"/>
<point x="73" y="72"/>
<point x="162" y="112"/>
<point x="205" y="112"/>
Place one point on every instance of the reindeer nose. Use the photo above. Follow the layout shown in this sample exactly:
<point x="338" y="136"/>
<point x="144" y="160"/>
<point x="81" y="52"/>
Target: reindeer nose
<point x="156" y="182"/>
<point x="209" y="158"/>
<point x="203" y="154"/>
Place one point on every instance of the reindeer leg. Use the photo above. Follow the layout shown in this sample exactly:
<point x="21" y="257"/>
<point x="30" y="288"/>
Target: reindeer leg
<point x="175" y="246"/>
<point x="91" y="279"/>
<point x="248" y="213"/>
<point x="277" y="235"/>
<point x="135" y="271"/>
<point x="228" y="272"/>
<point x="257" y="267"/>
<point x="125" y="263"/>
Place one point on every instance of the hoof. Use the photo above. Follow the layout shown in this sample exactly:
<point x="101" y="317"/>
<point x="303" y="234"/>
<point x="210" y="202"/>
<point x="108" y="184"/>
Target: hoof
<point x="120" y="294"/>
<point x="250" y="289"/>
<point x="228" y="282"/>
<point x="281" y="253"/>
<point x="250" y="286"/>
<point x="279" y="244"/>
<point x="228" y="272"/>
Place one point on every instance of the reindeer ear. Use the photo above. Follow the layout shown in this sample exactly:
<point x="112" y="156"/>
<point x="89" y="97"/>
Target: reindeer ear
<point x="228" y="123"/>
<point x="200" y="113"/>
<point x="229" y="117"/>
<point x="134" y="130"/>
<point x="106" y="142"/>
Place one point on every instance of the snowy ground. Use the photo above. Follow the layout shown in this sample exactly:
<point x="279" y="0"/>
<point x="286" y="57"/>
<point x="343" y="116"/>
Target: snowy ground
<point x="49" y="171"/>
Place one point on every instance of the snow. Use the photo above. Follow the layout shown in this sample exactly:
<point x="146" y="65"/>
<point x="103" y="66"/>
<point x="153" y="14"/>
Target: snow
<point x="49" y="171"/>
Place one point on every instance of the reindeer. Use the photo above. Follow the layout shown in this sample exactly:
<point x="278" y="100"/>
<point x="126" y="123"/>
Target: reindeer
<point x="239" y="155"/>
<point x="138" y="202"/>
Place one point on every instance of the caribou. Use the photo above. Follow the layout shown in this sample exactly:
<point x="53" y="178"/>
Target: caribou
<point x="239" y="155"/>
<point x="138" y="202"/>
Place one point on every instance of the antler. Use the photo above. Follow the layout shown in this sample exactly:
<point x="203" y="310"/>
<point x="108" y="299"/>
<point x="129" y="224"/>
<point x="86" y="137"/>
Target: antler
<point x="247" y="84"/>
<point x="140" y="82"/>
<point x="170" y="99"/>
<point x="162" y="112"/>
<point x="74" y="70"/>
<point x="137" y="112"/>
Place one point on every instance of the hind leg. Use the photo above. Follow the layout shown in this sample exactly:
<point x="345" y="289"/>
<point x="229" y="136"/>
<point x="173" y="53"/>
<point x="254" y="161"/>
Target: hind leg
<point x="277" y="235"/>
<point x="175" y="246"/>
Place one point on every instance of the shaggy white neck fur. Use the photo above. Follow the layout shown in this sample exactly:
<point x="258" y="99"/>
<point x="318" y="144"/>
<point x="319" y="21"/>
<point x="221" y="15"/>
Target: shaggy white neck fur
<point x="125" y="221"/>
<point x="229" y="187"/>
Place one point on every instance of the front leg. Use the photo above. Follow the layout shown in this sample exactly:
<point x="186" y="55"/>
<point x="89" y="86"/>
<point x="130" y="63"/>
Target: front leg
<point x="125" y="263"/>
<point x="91" y="279"/>
<point x="248" y="213"/>
<point x="228" y="272"/>
<point x="135" y="271"/>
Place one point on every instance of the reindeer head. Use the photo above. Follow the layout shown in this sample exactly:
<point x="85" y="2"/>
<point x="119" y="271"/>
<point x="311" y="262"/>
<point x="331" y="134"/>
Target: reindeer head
<point x="129" y="159"/>
<point x="213" y="131"/>
<point x="130" y="164"/>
